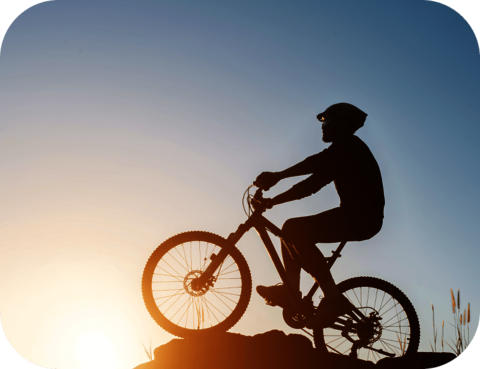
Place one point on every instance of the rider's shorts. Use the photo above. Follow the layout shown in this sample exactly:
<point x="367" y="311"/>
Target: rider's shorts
<point x="334" y="225"/>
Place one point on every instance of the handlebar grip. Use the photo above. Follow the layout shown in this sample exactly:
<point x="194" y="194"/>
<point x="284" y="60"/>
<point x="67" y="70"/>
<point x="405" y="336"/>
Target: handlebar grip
<point x="258" y="194"/>
<point x="261" y="186"/>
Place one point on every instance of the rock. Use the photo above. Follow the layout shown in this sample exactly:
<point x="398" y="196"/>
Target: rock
<point x="233" y="350"/>
<point x="421" y="360"/>
<point x="270" y="350"/>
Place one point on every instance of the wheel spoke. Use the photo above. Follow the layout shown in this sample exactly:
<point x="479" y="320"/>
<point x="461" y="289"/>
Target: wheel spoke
<point x="225" y="288"/>
<point x="212" y="305"/>
<point x="169" y="274"/>
<point x="208" y="311"/>
<point x="381" y="307"/>
<point x="179" y="310"/>
<point x="233" y="271"/>
<point x="398" y="321"/>
<point x="186" y="262"/>
<point x="227" y="293"/>
<point x="163" y="297"/>
<point x="186" y="259"/>
<point x="174" y="258"/>
<point x="392" y="307"/>
<point x="375" y="298"/>
<point x="179" y="296"/>
<point x="216" y="295"/>
<point x="393" y="348"/>
<point x="174" y="297"/>
<point x="186" y="311"/>
<point x="222" y="271"/>
<point x="206" y="257"/>
<point x="175" y="294"/>
<point x="166" y="262"/>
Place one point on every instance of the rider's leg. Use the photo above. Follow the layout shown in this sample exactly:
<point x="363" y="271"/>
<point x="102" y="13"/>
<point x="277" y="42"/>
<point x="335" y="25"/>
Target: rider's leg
<point x="292" y="267"/>
<point x="334" y="225"/>
<point x="299" y="234"/>
<point x="303" y="233"/>
<point x="313" y="261"/>
<point x="278" y="295"/>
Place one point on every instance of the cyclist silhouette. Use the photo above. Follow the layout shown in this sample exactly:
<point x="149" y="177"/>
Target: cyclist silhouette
<point x="349" y="163"/>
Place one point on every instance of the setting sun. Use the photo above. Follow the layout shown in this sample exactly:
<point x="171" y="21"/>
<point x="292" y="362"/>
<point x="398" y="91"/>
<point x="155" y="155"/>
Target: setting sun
<point x="94" y="350"/>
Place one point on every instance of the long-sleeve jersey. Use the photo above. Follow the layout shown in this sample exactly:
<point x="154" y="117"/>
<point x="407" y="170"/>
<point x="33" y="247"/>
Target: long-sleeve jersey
<point x="350" y="164"/>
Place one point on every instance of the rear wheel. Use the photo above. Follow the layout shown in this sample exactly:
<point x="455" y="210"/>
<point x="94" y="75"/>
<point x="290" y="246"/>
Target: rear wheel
<point x="177" y="303"/>
<point x="392" y="327"/>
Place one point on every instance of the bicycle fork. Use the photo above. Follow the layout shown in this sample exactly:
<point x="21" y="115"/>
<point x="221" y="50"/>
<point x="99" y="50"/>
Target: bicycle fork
<point x="207" y="277"/>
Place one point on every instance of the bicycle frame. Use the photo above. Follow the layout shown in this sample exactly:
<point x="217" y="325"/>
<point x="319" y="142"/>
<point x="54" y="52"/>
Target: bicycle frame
<point x="361" y="328"/>
<point x="262" y="225"/>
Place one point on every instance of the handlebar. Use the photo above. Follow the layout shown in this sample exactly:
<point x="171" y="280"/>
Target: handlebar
<point x="258" y="194"/>
<point x="257" y="197"/>
<point x="261" y="186"/>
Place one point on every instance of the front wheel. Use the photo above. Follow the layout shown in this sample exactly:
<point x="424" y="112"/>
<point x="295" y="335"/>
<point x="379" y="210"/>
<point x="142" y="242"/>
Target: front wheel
<point x="391" y="329"/>
<point x="177" y="303"/>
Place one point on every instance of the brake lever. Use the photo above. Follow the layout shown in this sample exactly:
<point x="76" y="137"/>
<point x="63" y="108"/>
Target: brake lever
<point x="258" y="194"/>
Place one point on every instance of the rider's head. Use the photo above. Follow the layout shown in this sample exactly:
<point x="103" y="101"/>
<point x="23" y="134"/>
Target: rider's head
<point x="341" y="120"/>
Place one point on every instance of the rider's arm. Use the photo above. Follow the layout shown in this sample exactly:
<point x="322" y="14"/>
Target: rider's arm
<point x="321" y="165"/>
<point x="306" y="166"/>
<point x="266" y="180"/>
<point x="303" y="189"/>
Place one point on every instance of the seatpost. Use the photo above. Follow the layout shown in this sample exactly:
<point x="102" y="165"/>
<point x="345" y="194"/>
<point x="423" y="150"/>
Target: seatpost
<point x="336" y="254"/>
<point x="330" y="260"/>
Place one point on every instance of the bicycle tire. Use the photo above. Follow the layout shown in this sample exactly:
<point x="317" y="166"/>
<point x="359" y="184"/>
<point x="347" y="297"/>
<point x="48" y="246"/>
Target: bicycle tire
<point x="201" y="315"/>
<point x="353" y="289"/>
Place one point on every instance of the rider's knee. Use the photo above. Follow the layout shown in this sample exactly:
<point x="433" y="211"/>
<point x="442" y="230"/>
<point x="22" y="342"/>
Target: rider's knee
<point x="288" y="227"/>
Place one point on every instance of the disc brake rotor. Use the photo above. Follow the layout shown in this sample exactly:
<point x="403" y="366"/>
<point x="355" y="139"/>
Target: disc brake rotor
<point x="191" y="285"/>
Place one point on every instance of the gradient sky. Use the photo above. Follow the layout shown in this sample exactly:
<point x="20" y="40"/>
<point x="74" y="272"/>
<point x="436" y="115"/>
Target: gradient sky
<point x="123" y="123"/>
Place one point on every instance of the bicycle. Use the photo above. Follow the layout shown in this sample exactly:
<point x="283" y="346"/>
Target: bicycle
<point x="197" y="283"/>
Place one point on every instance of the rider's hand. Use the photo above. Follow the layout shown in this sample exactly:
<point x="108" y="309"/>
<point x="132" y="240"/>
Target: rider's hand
<point x="267" y="180"/>
<point x="265" y="203"/>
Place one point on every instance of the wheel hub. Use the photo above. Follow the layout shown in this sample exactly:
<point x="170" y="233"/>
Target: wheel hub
<point x="371" y="330"/>
<point x="192" y="285"/>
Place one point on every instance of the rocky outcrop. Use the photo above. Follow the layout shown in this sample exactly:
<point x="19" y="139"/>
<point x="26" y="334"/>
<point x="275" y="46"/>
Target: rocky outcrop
<point x="273" y="349"/>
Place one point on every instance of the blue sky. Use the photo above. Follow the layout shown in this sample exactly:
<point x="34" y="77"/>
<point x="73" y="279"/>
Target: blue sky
<point x="124" y="123"/>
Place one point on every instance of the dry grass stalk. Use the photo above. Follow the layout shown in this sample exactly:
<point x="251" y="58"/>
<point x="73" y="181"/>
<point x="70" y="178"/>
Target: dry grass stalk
<point x="468" y="318"/>
<point x="453" y="301"/>
<point x="443" y="323"/>
<point x="461" y="327"/>
<point x="149" y="352"/>
<point x="434" y="347"/>
<point x="403" y="345"/>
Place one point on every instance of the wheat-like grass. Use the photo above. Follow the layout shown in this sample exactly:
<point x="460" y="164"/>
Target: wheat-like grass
<point x="453" y="301"/>
<point x="443" y="323"/>
<point x="468" y="318"/>
<point x="461" y="327"/>
<point x="403" y="344"/>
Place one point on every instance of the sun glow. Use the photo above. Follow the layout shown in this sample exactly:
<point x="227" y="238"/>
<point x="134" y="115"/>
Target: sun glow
<point x="95" y="351"/>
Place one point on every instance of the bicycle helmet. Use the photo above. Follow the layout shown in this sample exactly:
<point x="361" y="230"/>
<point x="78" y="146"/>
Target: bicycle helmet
<point x="345" y="113"/>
